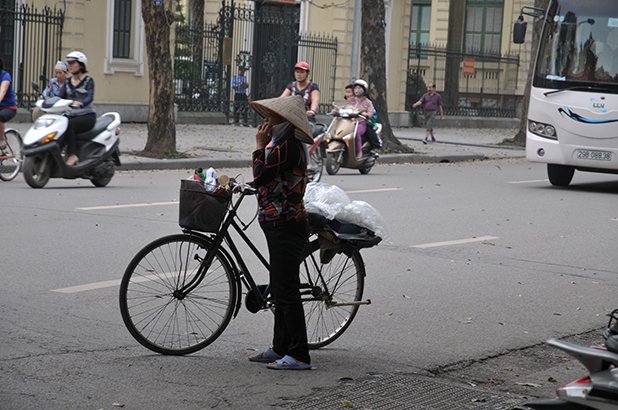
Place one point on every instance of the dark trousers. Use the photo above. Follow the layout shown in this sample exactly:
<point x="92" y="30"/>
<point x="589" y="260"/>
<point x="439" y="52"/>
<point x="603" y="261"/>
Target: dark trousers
<point x="372" y="137"/>
<point x="286" y="247"/>
<point x="241" y="107"/>
<point x="76" y="125"/>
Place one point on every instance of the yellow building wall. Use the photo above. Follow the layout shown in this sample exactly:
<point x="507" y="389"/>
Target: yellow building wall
<point x="86" y="29"/>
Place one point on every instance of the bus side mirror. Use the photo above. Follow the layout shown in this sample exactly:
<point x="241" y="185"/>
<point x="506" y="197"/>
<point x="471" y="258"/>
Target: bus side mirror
<point x="519" y="30"/>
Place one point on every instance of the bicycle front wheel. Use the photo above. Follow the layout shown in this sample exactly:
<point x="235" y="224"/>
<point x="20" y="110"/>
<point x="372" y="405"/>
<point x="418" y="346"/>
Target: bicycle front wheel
<point x="11" y="157"/>
<point x="155" y="305"/>
<point x="330" y="292"/>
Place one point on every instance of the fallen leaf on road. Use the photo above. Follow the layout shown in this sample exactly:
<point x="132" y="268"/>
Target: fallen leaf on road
<point x="528" y="384"/>
<point x="406" y="296"/>
<point x="346" y="404"/>
<point x="117" y="405"/>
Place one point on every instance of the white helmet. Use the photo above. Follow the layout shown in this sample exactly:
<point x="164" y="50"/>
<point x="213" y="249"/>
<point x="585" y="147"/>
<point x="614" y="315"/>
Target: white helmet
<point x="362" y="83"/>
<point x="78" y="56"/>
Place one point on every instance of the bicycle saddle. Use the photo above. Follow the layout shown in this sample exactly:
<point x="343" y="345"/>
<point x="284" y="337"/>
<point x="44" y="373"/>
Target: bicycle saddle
<point x="612" y="343"/>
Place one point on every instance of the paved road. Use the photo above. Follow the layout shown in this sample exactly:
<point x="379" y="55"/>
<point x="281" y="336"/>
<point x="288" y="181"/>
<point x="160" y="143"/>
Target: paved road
<point x="484" y="259"/>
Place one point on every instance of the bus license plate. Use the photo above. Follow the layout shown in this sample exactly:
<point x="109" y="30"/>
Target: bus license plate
<point x="594" y="155"/>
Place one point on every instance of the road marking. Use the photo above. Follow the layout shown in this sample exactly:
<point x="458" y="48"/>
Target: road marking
<point x="97" y="208"/>
<point x="111" y="283"/>
<point x="455" y="242"/>
<point x="373" y="190"/>
<point x="88" y="286"/>
<point x="530" y="181"/>
<point x="93" y="208"/>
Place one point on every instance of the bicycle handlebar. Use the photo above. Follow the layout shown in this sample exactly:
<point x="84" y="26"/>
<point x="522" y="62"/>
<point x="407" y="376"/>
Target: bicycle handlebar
<point x="236" y="187"/>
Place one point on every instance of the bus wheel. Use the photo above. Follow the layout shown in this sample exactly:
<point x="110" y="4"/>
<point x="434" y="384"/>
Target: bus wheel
<point x="560" y="175"/>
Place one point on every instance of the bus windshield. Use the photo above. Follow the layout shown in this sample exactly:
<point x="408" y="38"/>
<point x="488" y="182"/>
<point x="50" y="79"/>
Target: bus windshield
<point x="579" y="46"/>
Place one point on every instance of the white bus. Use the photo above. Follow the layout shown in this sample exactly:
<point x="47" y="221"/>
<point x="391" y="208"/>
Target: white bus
<point x="573" y="111"/>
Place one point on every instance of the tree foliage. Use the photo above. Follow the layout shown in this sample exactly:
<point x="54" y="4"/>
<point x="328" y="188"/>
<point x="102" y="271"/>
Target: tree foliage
<point x="373" y="68"/>
<point x="158" y="21"/>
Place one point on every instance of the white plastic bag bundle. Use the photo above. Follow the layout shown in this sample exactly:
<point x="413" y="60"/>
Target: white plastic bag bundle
<point x="326" y="200"/>
<point x="332" y="202"/>
<point x="363" y="214"/>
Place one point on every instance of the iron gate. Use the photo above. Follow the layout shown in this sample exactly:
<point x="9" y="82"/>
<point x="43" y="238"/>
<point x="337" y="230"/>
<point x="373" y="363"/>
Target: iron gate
<point x="30" y="45"/>
<point x="260" y="39"/>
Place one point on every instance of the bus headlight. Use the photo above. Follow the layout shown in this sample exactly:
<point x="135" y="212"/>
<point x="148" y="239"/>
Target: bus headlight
<point x="542" y="130"/>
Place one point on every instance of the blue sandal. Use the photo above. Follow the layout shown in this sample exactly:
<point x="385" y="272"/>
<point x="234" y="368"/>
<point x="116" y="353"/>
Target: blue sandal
<point x="267" y="356"/>
<point x="288" y="363"/>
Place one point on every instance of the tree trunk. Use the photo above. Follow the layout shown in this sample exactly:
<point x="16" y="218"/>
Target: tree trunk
<point x="196" y="15"/>
<point x="537" y="26"/>
<point x="456" y="18"/>
<point x="161" y="122"/>
<point x="373" y="68"/>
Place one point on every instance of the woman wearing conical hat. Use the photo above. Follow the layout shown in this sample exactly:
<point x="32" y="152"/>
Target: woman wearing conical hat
<point x="279" y="172"/>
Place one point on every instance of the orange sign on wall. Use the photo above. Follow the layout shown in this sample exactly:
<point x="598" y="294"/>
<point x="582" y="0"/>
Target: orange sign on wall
<point x="469" y="67"/>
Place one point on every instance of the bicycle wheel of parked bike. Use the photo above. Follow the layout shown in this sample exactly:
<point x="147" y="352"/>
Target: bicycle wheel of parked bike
<point x="155" y="305"/>
<point x="11" y="156"/>
<point x="328" y="290"/>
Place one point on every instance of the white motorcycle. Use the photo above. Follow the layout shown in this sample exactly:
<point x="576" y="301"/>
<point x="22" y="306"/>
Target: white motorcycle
<point x="44" y="151"/>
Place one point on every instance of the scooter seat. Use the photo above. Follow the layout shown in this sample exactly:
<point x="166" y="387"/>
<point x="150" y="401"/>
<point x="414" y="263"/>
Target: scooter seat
<point x="99" y="127"/>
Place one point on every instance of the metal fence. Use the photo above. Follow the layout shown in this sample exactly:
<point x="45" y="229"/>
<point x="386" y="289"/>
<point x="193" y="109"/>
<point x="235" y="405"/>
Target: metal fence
<point x="259" y="38"/>
<point x="472" y="84"/>
<point x="30" y="45"/>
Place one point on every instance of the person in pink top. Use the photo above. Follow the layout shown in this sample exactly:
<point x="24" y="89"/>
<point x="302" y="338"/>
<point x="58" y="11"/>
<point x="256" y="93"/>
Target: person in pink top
<point x="360" y="102"/>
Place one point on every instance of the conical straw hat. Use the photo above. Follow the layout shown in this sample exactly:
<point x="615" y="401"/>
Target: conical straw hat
<point x="292" y="109"/>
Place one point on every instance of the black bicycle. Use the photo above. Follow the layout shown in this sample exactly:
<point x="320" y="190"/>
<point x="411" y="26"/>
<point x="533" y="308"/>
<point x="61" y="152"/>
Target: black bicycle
<point x="180" y="291"/>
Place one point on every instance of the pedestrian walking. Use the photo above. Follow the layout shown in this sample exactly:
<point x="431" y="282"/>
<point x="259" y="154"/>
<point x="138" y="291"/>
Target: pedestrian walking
<point x="279" y="174"/>
<point x="432" y="102"/>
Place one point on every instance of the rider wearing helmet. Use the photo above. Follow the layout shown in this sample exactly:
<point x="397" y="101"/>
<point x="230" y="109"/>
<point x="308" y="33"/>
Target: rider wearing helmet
<point x="361" y="103"/>
<point x="80" y="89"/>
<point x="309" y="90"/>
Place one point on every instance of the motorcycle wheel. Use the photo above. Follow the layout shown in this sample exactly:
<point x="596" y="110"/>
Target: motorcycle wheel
<point x="316" y="159"/>
<point x="369" y="163"/>
<point x="332" y="165"/>
<point x="37" y="170"/>
<point x="102" y="181"/>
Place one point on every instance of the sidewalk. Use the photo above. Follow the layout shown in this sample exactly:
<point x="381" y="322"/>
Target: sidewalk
<point x="226" y="146"/>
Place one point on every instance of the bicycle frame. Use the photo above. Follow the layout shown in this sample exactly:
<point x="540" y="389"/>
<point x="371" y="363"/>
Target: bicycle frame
<point x="243" y="274"/>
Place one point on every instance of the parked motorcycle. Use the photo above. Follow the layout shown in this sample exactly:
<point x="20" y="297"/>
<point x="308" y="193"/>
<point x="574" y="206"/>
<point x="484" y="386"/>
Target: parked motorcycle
<point x="598" y="390"/>
<point x="44" y="151"/>
<point x="341" y="144"/>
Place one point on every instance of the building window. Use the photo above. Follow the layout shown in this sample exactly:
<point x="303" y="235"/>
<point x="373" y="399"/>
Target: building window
<point x="419" y="24"/>
<point x="125" y="37"/>
<point x="122" y="29"/>
<point x="484" y="26"/>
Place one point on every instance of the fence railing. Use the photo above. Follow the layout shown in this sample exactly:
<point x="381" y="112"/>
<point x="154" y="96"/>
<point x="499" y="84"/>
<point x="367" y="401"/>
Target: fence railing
<point x="31" y="43"/>
<point x="471" y="83"/>
<point x="261" y="40"/>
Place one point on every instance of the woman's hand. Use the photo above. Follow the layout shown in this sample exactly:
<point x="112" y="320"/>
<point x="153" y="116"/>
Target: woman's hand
<point x="76" y="104"/>
<point x="263" y="137"/>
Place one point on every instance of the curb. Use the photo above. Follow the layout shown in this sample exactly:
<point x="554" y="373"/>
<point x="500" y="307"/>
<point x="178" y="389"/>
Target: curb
<point x="144" y="164"/>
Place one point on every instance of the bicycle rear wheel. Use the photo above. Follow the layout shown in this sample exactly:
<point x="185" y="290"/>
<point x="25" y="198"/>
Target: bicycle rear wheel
<point x="328" y="289"/>
<point x="155" y="311"/>
<point x="11" y="157"/>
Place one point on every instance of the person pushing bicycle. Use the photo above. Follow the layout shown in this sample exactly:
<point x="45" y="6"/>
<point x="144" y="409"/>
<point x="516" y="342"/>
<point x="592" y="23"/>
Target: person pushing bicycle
<point x="279" y="172"/>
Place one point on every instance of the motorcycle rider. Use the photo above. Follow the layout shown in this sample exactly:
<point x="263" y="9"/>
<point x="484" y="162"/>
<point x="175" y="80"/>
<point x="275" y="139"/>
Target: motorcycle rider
<point x="360" y="102"/>
<point x="307" y="89"/>
<point x="80" y="89"/>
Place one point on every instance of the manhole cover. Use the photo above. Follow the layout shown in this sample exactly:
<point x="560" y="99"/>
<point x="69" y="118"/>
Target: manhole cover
<point x="395" y="391"/>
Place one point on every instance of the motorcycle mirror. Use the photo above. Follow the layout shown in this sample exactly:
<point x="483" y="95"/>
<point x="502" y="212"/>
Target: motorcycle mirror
<point x="42" y="78"/>
<point x="35" y="86"/>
